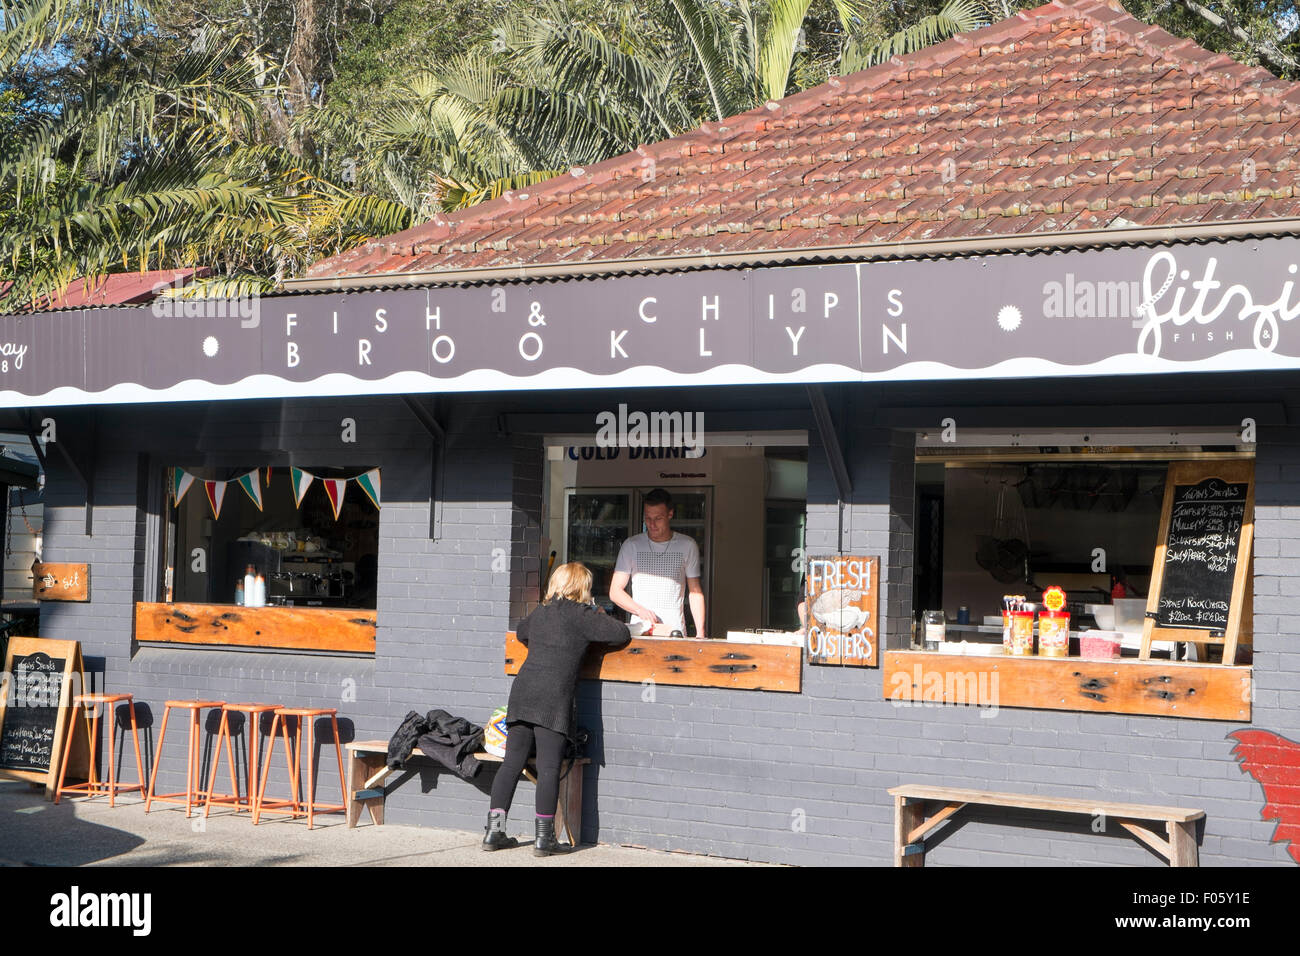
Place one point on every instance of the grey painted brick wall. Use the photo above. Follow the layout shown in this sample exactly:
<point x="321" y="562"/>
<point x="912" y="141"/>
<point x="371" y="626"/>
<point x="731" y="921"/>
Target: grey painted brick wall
<point x="795" y="778"/>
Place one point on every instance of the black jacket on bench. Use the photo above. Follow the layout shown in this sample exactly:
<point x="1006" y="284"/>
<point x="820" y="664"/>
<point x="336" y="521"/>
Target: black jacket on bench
<point x="557" y="636"/>
<point x="452" y="741"/>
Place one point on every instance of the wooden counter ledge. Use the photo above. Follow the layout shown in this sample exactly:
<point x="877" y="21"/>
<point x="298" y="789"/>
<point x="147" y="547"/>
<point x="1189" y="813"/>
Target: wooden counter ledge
<point x="300" y="628"/>
<point x="1125" y="686"/>
<point x="688" y="663"/>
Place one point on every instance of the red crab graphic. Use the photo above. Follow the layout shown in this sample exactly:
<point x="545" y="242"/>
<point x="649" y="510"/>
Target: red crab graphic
<point x="1274" y="762"/>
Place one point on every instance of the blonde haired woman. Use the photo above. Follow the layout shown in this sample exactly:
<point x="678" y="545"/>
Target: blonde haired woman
<point x="539" y="714"/>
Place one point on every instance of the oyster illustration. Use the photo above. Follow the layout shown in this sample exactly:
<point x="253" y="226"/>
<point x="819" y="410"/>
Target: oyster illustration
<point x="835" y="610"/>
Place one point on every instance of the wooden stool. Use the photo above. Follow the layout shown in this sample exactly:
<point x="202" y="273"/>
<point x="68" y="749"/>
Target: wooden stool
<point x="308" y="716"/>
<point x="191" y="793"/>
<point x="251" y="736"/>
<point x="93" y="786"/>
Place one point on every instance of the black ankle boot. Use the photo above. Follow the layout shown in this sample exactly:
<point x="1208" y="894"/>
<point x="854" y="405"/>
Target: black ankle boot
<point x="546" y="843"/>
<point x="495" y="837"/>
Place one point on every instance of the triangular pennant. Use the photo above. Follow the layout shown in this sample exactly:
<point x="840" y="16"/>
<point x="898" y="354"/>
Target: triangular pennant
<point x="252" y="485"/>
<point x="216" y="495"/>
<point x="268" y="476"/>
<point x="369" y="483"/>
<point x="335" y="488"/>
<point x="301" y="481"/>
<point x="181" y="482"/>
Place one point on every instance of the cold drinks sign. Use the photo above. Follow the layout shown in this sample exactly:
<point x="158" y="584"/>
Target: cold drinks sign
<point x="843" y="626"/>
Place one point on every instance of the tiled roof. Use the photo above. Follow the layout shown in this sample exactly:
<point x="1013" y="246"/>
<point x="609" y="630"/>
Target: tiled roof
<point x="1071" y="116"/>
<point x="119" y="288"/>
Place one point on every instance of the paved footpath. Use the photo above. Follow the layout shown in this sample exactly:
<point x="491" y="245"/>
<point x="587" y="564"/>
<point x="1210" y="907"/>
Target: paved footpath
<point x="35" y="832"/>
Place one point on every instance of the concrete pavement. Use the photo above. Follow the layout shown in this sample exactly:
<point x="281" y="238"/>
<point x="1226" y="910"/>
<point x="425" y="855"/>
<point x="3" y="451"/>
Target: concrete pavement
<point x="80" y="832"/>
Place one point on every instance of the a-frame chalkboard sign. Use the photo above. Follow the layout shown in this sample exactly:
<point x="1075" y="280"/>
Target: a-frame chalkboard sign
<point x="1201" y="588"/>
<point x="39" y="681"/>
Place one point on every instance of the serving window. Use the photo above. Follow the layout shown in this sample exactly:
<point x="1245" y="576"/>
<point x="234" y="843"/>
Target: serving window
<point x="1094" y="523"/>
<point x="742" y="497"/>
<point x="307" y="539"/>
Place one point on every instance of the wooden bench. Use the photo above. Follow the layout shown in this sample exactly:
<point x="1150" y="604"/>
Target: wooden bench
<point x="911" y="824"/>
<point x="368" y="769"/>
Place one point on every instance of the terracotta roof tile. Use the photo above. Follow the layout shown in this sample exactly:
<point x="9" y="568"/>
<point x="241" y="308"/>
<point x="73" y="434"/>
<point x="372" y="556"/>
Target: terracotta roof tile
<point x="119" y="288"/>
<point x="1067" y="116"/>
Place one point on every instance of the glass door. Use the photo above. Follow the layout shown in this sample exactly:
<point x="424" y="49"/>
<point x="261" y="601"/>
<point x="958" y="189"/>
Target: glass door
<point x="784" y="535"/>
<point x="596" y="523"/>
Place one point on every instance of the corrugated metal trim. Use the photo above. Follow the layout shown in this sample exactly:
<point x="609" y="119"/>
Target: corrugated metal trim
<point x="921" y="249"/>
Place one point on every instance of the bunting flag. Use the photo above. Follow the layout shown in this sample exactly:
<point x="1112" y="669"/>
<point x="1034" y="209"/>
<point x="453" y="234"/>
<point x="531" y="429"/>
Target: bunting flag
<point x="181" y="481"/>
<point x="252" y="485"/>
<point x="301" y="481"/>
<point x="216" y="495"/>
<point x="369" y="483"/>
<point x="335" y="488"/>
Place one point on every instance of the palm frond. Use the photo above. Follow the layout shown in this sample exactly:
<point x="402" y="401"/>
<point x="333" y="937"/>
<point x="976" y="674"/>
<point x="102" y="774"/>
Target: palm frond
<point x="239" y="286"/>
<point x="785" y="21"/>
<point x="956" y="16"/>
<point x="704" y="25"/>
<point x="578" y="57"/>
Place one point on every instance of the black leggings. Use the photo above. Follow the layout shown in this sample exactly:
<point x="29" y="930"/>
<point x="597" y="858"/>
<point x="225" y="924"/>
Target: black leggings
<point x="519" y="746"/>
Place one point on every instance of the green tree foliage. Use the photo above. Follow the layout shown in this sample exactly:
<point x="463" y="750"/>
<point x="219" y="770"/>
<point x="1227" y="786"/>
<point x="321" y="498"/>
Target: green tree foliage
<point x="151" y="153"/>
<point x="1258" y="32"/>
<point x="254" y="136"/>
<point x="562" y="83"/>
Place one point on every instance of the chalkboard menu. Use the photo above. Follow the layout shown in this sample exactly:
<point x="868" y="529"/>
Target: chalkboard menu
<point x="1201" y="554"/>
<point x="39" y="679"/>
<point x="32" y="714"/>
<point x="1200" y="574"/>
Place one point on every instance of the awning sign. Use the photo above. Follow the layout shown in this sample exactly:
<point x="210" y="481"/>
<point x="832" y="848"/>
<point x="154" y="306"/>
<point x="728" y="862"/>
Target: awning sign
<point x="1214" y="307"/>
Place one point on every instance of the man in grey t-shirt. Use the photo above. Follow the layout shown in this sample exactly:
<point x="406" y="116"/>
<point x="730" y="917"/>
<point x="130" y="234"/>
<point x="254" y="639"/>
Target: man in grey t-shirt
<point x="662" y="567"/>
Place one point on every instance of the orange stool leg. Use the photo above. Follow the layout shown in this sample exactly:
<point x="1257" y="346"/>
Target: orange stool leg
<point x="230" y="759"/>
<point x="253" y="730"/>
<point x="311" y="767"/>
<point x="157" y="758"/>
<point x="192" y="757"/>
<point x="266" y="772"/>
<point x="92" y="715"/>
<point x="338" y="749"/>
<point x="135" y="737"/>
<point x="295" y="762"/>
<point x="110" y="718"/>
<point x="222" y="730"/>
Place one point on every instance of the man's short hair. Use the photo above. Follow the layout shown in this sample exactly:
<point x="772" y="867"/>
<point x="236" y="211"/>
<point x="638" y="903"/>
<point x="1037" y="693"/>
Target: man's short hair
<point x="658" y="497"/>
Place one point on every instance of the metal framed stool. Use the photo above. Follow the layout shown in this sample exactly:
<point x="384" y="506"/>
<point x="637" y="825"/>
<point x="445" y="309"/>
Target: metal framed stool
<point x="94" y="787"/>
<point x="252" y="736"/>
<point x="193" y="768"/>
<point x="295" y="807"/>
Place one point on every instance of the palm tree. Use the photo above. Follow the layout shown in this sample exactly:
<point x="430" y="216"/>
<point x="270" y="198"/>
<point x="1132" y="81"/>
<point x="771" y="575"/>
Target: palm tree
<point x="954" y="17"/>
<point x="564" y="87"/>
<point x="152" y="157"/>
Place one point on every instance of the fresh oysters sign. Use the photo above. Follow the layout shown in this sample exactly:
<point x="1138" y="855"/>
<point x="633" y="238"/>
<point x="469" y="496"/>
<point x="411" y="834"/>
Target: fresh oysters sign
<point x="843" y="625"/>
